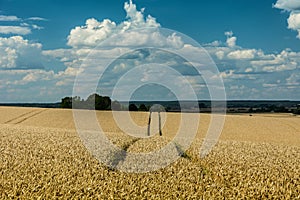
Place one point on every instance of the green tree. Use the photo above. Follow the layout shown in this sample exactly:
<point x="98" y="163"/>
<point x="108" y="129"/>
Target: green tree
<point x="76" y="102"/>
<point x="115" y="105"/>
<point x="132" y="107"/>
<point x="71" y="102"/>
<point x="66" y="102"/>
<point x="95" y="101"/>
<point x="142" y="107"/>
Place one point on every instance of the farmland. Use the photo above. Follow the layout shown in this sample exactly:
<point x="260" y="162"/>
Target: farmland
<point x="42" y="156"/>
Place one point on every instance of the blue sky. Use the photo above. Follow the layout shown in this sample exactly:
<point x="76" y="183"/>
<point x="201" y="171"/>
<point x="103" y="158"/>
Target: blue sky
<point x="255" y="44"/>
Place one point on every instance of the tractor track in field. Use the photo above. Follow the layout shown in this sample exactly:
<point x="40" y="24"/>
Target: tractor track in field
<point x="23" y="117"/>
<point x="120" y="155"/>
<point x="291" y="126"/>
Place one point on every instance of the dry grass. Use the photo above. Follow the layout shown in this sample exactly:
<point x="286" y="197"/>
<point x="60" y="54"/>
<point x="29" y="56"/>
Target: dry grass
<point x="42" y="157"/>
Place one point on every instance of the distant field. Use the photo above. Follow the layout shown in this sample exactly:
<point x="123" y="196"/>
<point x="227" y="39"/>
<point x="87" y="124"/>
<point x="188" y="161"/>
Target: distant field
<point x="42" y="156"/>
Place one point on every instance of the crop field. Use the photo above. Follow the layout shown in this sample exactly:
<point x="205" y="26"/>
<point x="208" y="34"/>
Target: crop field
<point x="43" y="157"/>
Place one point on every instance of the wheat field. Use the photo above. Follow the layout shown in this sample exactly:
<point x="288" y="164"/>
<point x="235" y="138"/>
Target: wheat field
<point x="43" y="157"/>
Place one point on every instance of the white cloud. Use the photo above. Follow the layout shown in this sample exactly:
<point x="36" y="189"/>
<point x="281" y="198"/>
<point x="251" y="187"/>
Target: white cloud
<point x="23" y="77"/>
<point x="214" y="43"/>
<point x="70" y="71"/>
<point x="174" y="41"/>
<point x="20" y="30"/>
<point x="24" y="24"/>
<point x="66" y="77"/>
<point x="37" y="19"/>
<point x="95" y="32"/>
<point x="9" y="18"/>
<point x="231" y="41"/>
<point x="228" y="74"/>
<point x="220" y="55"/>
<point x="34" y="26"/>
<point x="91" y="34"/>
<point x="284" y="61"/>
<point x="9" y="57"/>
<point x="229" y="33"/>
<point x="17" y="52"/>
<point x="293" y="80"/>
<point x="23" y="29"/>
<point x="276" y="60"/>
<point x="288" y="5"/>
<point x="242" y="54"/>
<point x="294" y="22"/>
<point x="63" y="54"/>
<point x="264" y="76"/>
<point x="119" y="68"/>
<point x="267" y="85"/>
<point x="132" y="12"/>
<point x="37" y="75"/>
<point x="249" y="70"/>
<point x="292" y="6"/>
<point x="249" y="61"/>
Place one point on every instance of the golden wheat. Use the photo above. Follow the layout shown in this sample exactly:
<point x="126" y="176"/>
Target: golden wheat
<point x="43" y="157"/>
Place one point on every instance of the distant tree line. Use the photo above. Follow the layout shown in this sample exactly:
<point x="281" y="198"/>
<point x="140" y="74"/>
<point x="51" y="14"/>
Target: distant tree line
<point x="97" y="102"/>
<point x="269" y="108"/>
<point x="142" y="107"/>
<point x="297" y="111"/>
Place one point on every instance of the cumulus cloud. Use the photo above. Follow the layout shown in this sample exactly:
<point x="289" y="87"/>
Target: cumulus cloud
<point x="293" y="80"/>
<point x="242" y="54"/>
<point x="292" y="6"/>
<point x="294" y="22"/>
<point x="94" y="32"/>
<point x="16" y="52"/>
<point x="231" y="40"/>
<point x="220" y="54"/>
<point x="249" y="70"/>
<point x="243" y="60"/>
<point x="34" y="76"/>
<point x="137" y="30"/>
<point x="289" y="5"/>
<point x="258" y="72"/>
<point x="279" y="68"/>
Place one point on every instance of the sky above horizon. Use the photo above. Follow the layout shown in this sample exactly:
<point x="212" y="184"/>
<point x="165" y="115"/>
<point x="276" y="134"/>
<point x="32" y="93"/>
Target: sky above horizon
<point x="254" y="44"/>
